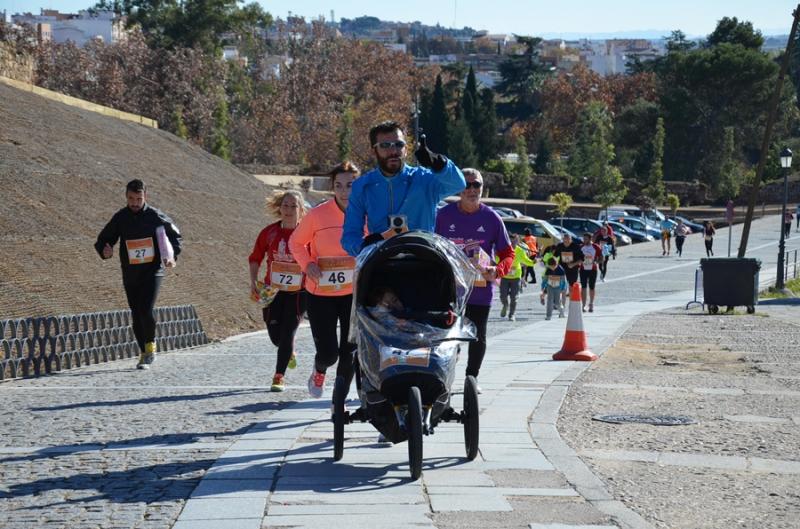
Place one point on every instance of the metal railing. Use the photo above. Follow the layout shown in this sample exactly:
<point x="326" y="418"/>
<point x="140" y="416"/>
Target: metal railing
<point x="790" y="264"/>
<point x="43" y="345"/>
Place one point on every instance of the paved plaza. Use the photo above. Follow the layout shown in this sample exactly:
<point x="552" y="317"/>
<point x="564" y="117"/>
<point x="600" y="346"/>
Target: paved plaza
<point x="200" y="442"/>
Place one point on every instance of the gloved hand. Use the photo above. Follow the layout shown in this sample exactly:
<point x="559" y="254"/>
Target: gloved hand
<point x="428" y="158"/>
<point x="372" y="238"/>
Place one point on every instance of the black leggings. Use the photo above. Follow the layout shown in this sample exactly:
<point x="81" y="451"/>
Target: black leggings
<point x="282" y="317"/>
<point x="479" y="315"/>
<point x="709" y="250"/>
<point x="679" y="240"/>
<point x="324" y="312"/>
<point x="588" y="278"/>
<point x="530" y="271"/>
<point x="603" y="264"/>
<point x="142" y="296"/>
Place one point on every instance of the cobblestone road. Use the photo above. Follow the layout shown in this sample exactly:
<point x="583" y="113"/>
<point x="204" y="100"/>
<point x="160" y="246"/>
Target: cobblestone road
<point x="110" y="446"/>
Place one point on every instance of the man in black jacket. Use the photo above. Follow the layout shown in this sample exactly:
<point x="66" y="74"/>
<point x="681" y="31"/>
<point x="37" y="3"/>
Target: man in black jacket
<point x="143" y="264"/>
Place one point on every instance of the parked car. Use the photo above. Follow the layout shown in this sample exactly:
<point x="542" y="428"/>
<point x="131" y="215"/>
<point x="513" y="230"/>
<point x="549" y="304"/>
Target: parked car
<point x="509" y="212"/>
<point x="695" y="227"/>
<point x="634" y="235"/>
<point x="651" y="216"/>
<point x="545" y="233"/>
<point x="564" y="231"/>
<point x="639" y="224"/>
<point x="577" y="225"/>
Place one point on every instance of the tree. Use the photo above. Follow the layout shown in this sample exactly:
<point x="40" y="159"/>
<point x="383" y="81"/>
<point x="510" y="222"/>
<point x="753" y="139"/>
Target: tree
<point x="521" y="78"/>
<point x="731" y="176"/>
<point x="486" y="136"/>
<point x="542" y="164"/>
<point x="461" y="148"/>
<point x="521" y="174"/>
<point x="655" y="180"/>
<point x="674" y="203"/>
<point x="592" y="152"/>
<point x="470" y="102"/>
<point x="345" y="132"/>
<point x="221" y="145"/>
<point x="677" y="42"/>
<point x="732" y="31"/>
<point x="189" y="23"/>
<point x="634" y="127"/>
<point x="438" y="123"/>
<point x="562" y="203"/>
<point x="178" y="125"/>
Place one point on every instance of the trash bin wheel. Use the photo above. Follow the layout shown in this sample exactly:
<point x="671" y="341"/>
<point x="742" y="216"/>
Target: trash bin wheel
<point x="414" y="426"/>
<point x="751" y="309"/>
<point x="339" y="394"/>
<point x="471" y="417"/>
<point x="713" y="309"/>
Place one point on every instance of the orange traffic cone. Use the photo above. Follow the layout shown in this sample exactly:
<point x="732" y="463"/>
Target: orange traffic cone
<point x="575" y="347"/>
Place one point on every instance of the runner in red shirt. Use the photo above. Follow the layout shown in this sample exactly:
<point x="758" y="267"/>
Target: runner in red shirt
<point x="592" y="255"/>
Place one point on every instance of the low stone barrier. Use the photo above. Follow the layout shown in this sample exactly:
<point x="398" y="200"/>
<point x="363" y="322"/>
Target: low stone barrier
<point x="43" y="345"/>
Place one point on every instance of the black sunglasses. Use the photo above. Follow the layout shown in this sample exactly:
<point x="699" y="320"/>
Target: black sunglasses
<point x="474" y="185"/>
<point x="389" y="144"/>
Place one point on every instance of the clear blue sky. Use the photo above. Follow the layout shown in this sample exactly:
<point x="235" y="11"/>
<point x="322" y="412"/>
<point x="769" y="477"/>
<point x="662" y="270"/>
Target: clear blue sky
<point x="532" y="17"/>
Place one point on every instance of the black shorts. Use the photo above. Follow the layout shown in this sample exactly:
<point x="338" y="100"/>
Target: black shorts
<point x="588" y="277"/>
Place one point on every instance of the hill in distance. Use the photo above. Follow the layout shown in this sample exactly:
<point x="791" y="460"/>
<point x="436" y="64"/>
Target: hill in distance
<point x="62" y="176"/>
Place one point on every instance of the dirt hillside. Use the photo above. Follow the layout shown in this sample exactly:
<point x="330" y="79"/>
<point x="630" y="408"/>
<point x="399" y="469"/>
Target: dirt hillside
<point x="62" y="175"/>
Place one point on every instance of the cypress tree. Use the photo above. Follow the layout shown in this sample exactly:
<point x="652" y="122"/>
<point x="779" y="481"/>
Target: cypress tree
<point x="438" y="124"/>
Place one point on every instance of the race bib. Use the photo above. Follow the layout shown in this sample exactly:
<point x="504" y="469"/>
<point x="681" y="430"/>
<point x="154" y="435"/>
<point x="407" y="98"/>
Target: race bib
<point x="587" y="263"/>
<point x="286" y="276"/>
<point x="708" y="237"/>
<point x="415" y="357"/>
<point x="140" y="251"/>
<point x="566" y="257"/>
<point x="554" y="281"/>
<point x="336" y="273"/>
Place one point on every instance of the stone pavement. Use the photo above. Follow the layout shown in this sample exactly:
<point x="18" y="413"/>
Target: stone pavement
<point x="200" y="442"/>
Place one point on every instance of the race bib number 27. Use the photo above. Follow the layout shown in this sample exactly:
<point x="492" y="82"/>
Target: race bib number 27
<point x="140" y="251"/>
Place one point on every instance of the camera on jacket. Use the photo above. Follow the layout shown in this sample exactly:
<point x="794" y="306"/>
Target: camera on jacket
<point x="397" y="224"/>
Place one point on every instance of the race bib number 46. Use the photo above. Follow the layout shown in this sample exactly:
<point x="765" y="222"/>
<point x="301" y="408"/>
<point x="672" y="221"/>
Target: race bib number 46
<point x="286" y="276"/>
<point x="140" y="251"/>
<point x="336" y="273"/>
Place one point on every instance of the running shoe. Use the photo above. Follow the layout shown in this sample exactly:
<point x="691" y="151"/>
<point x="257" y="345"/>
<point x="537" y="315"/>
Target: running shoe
<point x="511" y="317"/>
<point x="277" y="383"/>
<point x="292" y="361"/>
<point x="150" y="352"/>
<point x="142" y="364"/>
<point x="591" y="308"/>
<point x="503" y="311"/>
<point x="316" y="384"/>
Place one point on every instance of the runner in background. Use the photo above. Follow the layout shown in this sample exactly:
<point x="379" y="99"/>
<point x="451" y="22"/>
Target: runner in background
<point x="480" y="232"/>
<point x="533" y="253"/>
<point x="510" y="283"/>
<point x="143" y="261"/>
<point x="282" y="316"/>
<point x="591" y="256"/>
<point x="605" y="238"/>
<point x="568" y="252"/>
<point x="681" y="231"/>
<point x="329" y="279"/>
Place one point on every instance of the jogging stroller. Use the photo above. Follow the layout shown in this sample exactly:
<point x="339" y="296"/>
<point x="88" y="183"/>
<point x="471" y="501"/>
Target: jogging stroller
<point x="409" y="299"/>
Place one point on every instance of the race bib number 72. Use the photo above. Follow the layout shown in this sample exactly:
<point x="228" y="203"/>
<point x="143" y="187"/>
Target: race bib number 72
<point x="286" y="276"/>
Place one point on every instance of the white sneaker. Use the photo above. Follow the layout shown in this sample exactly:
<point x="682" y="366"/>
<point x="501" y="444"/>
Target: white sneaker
<point x="479" y="390"/>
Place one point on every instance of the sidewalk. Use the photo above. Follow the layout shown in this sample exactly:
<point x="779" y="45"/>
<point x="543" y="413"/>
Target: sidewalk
<point x="284" y="466"/>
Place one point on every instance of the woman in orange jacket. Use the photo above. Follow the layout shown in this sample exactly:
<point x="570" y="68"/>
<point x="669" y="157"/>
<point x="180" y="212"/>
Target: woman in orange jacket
<point x="329" y="279"/>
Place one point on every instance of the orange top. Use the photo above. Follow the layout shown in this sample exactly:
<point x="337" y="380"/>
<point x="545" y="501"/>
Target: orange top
<point x="316" y="240"/>
<point x="530" y="242"/>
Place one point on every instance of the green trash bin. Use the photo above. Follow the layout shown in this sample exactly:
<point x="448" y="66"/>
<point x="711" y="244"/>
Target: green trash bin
<point x="730" y="281"/>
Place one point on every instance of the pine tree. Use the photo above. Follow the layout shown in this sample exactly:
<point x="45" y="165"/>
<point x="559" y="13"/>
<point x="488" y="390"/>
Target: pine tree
<point x="521" y="174"/>
<point x="486" y="143"/>
<point x="731" y="175"/>
<point x="345" y="132"/>
<point x="542" y="165"/>
<point x="461" y="147"/>
<point x="655" y="180"/>
<point x="221" y="144"/>
<point x="438" y="122"/>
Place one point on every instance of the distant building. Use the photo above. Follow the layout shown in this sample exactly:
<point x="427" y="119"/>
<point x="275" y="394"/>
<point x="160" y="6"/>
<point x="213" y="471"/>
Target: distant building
<point x="80" y="28"/>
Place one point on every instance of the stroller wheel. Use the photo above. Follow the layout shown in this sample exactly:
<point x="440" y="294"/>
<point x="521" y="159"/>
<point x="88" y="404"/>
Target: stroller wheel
<point x="339" y="394"/>
<point x="414" y="426"/>
<point x="471" y="417"/>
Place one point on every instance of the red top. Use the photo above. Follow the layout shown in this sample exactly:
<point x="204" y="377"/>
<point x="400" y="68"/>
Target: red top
<point x="273" y="241"/>
<point x="591" y="252"/>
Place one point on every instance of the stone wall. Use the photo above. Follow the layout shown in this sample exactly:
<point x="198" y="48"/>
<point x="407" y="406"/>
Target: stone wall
<point x="15" y="66"/>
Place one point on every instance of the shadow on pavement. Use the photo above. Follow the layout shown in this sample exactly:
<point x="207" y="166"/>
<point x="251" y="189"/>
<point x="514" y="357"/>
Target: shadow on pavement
<point x="155" y="400"/>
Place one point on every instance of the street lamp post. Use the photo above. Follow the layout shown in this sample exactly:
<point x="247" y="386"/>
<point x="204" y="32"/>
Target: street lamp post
<point x="786" y="164"/>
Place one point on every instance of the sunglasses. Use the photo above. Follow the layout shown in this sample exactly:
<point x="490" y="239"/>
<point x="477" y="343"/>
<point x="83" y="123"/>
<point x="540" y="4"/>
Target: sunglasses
<point x="474" y="185"/>
<point x="399" y="144"/>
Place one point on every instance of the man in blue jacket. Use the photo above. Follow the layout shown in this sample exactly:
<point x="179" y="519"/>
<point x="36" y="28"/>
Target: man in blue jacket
<point x="396" y="193"/>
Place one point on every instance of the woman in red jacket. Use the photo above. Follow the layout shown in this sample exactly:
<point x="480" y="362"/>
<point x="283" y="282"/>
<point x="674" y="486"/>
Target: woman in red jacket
<point x="284" y="313"/>
<point x="316" y="246"/>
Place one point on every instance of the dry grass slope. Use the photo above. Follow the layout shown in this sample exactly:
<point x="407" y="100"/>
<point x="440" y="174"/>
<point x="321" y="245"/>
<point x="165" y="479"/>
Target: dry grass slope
<point x="62" y="176"/>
